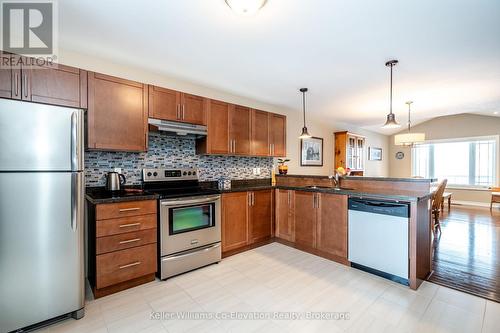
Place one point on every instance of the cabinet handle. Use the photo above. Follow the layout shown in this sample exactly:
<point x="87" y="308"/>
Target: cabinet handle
<point x="130" y="241"/>
<point x="129" y="225"/>
<point x="130" y="265"/>
<point x="25" y="85"/>
<point x="234" y="146"/>
<point x="273" y="150"/>
<point x="249" y="198"/>
<point x="183" y="111"/>
<point x="270" y="149"/>
<point x="289" y="194"/>
<point x="16" y="84"/>
<point x="314" y="200"/>
<point x="253" y="198"/>
<point x="124" y="210"/>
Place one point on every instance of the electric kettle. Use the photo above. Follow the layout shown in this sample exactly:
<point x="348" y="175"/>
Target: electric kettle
<point x="114" y="181"/>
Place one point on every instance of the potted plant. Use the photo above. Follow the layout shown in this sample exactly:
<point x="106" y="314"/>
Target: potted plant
<point x="282" y="167"/>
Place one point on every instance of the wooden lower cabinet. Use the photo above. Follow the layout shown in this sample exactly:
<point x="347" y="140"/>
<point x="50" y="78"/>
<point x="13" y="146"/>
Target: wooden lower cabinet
<point x="284" y="217"/>
<point x="261" y="216"/>
<point x="246" y="218"/>
<point x="313" y="221"/>
<point x="305" y="218"/>
<point x="332" y="224"/>
<point x="122" y="250"/>
<point x="234" y="220"/>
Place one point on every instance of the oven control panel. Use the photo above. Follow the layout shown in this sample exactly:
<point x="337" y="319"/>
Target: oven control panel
<point x="157" y="175"/>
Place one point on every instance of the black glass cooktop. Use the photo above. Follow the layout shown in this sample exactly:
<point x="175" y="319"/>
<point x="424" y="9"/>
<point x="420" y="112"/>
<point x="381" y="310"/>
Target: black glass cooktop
<point x="178" y="189"/>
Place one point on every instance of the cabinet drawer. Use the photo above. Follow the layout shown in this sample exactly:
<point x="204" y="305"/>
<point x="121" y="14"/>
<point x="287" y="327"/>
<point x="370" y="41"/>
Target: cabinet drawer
<point x="120" y="266"/>
<point x="125" y="225"/>
<point x="125" y="241"/>
<point x="124" y="209"/>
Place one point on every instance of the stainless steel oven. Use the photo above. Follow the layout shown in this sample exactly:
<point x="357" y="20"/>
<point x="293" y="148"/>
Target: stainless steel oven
<point x="190" y="233"/>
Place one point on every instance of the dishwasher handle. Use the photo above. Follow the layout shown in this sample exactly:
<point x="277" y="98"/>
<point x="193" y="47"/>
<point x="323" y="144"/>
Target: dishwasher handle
<point x="400" y="209"/>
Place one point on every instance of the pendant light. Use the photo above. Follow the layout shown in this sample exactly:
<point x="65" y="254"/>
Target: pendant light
<point x="305" y="134"/>
<point x="409" y="139"/>
<point x="391" y="119"/>
<point x="246" y="7"/>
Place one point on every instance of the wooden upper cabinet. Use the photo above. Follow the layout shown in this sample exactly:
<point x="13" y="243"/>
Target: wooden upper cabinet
<point x="305" y="218"/>
<point x="117" y="114"/>
<point x="167" y="104"/>
<point x="260" y="133"/>
<point x="350" y="152"/>
<point x="10" y="78"/>
<point x="192" y="109"/>
<point x="217" y="141"/>
<point x="332" y="224"/>
<point x="284" y="215"/>
<point x="164" y="103"/>
<point x="55" y="84"/>
<point x="261" y="215"/>
<point x="234" y="220"/>
<point x="239" y="130"/>
<point x="277" y="135"/>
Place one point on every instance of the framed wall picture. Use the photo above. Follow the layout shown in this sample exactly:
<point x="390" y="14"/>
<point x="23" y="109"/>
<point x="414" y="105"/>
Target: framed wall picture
<point x="375" y="154"/>
<point x="311" y="152"/>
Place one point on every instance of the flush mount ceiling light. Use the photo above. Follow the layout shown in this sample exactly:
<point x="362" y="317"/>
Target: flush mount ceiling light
<point x="409" y="139"/>
<point x="391" y="119"/>
<point x="305" y="134"/>
<point x="246" y="7"/>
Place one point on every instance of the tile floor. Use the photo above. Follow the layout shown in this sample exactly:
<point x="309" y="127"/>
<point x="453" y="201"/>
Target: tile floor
<point x="279" y="278"/>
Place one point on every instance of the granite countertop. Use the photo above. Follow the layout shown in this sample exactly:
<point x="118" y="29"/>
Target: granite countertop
<point x="401" y="196"/>
<point x="99" y="195"/>
<point x="391" y="179"/>
<point x="253" y="185"/>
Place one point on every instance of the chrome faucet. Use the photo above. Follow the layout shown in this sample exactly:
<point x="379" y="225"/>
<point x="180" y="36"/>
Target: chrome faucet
<point x="335" y="179"/>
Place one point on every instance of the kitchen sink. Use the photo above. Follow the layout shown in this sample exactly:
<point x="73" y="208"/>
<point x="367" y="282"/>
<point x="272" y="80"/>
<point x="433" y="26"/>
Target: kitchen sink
<point x="330" y="188"/>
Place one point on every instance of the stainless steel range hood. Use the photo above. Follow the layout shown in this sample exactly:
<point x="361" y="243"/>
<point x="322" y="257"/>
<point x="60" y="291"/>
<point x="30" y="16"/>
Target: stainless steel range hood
<point x="177" y="128"/>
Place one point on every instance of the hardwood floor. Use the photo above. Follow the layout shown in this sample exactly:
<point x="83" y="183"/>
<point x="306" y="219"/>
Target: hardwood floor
<point x="467" y="254"/>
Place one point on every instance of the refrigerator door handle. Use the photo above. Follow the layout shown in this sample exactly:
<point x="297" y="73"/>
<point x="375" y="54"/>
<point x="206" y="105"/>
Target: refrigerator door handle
<point x="76" y="200"/>
<point x="77" y="140"/>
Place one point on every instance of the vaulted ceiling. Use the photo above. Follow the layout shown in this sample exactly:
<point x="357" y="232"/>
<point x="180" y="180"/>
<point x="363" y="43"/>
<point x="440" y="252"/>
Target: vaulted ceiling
<point x="449" y="51"/>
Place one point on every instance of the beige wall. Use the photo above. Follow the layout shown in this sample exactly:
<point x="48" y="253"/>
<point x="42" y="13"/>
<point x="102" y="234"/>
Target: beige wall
<point x="294" y="118"/>
<point x="448" y="127"/>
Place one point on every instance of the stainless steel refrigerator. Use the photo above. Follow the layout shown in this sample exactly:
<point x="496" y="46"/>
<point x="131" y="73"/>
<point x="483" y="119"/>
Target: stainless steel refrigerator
<point x="41" y="213"/>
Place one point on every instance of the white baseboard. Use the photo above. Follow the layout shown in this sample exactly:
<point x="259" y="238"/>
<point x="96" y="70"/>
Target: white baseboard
<point x="471" y="203"/>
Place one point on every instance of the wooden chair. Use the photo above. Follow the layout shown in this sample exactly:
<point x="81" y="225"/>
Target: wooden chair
<point x="495" y="196"/>
<point x="436" y="204"/>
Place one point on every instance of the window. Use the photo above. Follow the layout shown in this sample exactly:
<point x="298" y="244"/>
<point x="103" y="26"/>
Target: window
<point x="463" y="162"/>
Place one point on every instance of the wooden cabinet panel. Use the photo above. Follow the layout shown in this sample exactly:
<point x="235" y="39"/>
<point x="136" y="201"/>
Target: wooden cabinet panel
<point x="120" y="266"/>
<point x="305" y="218"/>
<point x="277" y="135"/>
<point x="284" y="215"/>
<point x="218" y="127"/>
<point x="261" y="215"/>
<point x="55" y="84"/>
<point x="332" y="224"/>
<point x="164" y="103"/>
<point x="234" y="220"/>
<point x="10" y="78"/>
<point x="260" y="133"/>
<point x="193" y="111"/>
<point x="117" y="114"/>
<point x="124" y="209"/>
<point x="239" y="129"/>
<point x="125" y="241"/>
<point x="125" y="224"/>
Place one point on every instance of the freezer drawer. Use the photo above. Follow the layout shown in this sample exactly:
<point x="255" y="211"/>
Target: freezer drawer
<point x="41" y="247"/>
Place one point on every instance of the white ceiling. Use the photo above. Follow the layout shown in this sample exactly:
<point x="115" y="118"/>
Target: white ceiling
<point x="449" y="51"/>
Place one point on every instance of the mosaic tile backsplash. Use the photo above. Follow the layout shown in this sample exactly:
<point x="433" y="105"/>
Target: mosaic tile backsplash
<point x="167" y="151"/>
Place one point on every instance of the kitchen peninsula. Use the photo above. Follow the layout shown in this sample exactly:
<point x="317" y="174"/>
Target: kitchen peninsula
<point x="310" y="213"/>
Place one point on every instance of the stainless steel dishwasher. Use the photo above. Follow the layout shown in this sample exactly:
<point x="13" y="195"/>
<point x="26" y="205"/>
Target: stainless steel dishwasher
<point x="378" y="237"/>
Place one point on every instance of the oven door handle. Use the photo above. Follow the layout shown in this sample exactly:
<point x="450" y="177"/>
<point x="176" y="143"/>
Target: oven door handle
<point x="192" y="252"/>
<point x="181" y="202"/>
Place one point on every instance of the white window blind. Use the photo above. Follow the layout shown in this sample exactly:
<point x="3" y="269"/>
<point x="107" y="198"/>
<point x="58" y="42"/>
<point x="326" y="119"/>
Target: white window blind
<point x="467" y="162"/>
